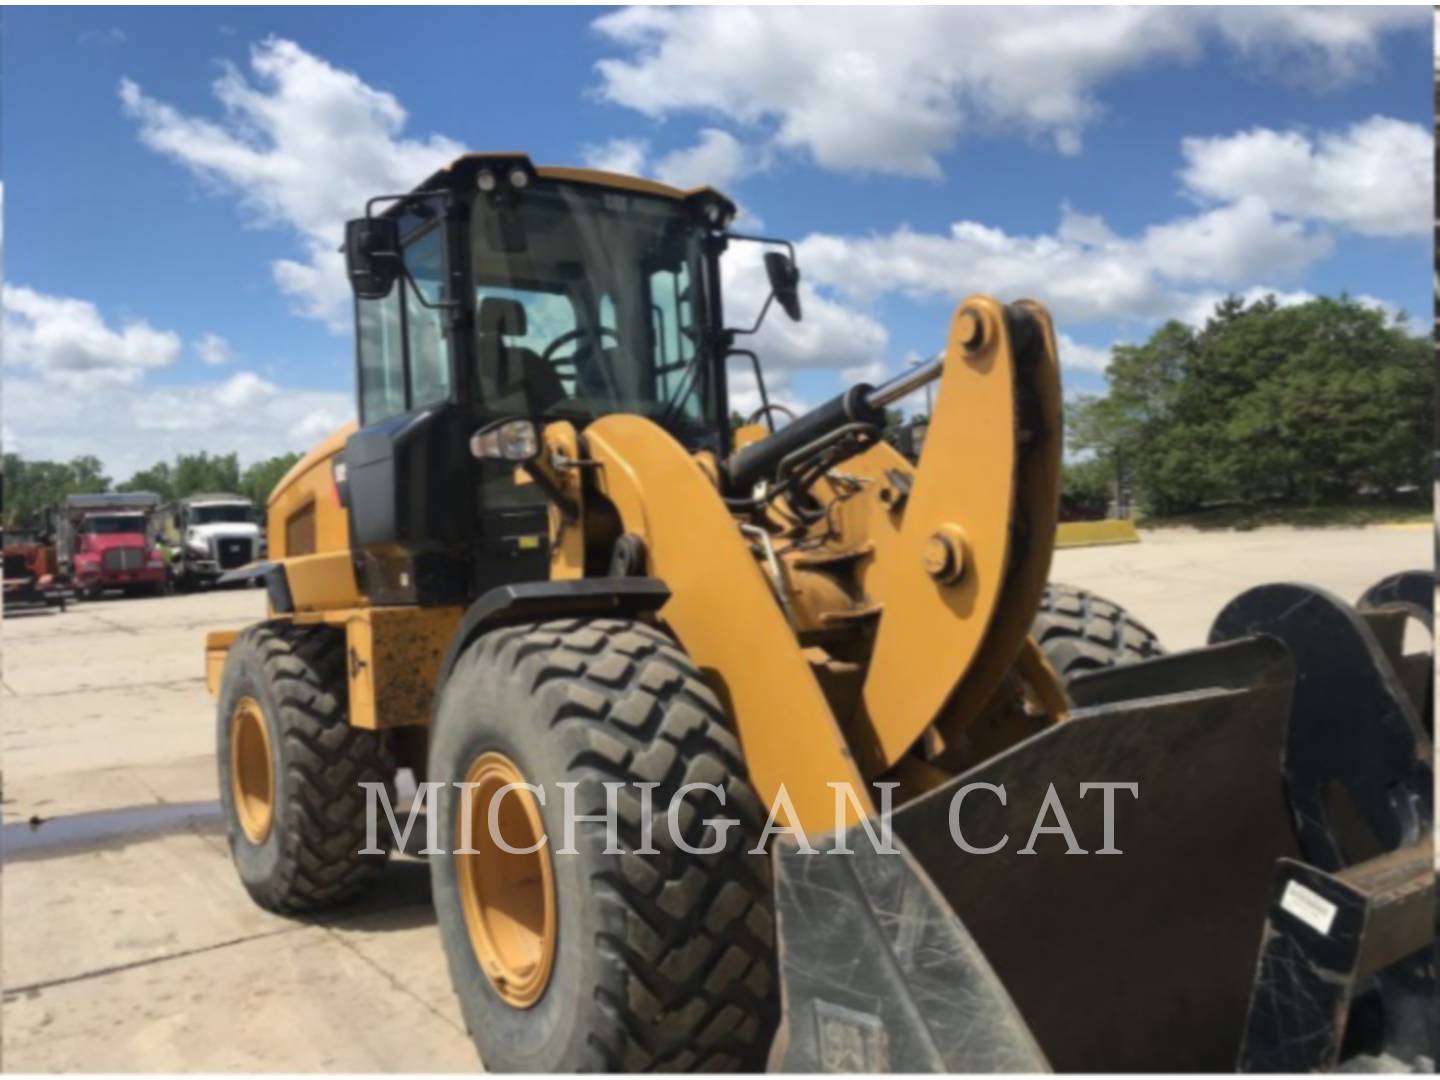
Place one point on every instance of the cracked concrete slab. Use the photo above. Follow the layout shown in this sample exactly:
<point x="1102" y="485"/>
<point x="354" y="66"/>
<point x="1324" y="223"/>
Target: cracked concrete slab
<point x="119" y="906"/>
<point x="298" y="1000"/>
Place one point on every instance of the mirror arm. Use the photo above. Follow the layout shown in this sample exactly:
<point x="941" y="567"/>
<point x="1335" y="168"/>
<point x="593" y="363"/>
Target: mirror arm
<point x="759" y="319"/>
<point x="410" y="196"/>
<point x="772" y="240"/>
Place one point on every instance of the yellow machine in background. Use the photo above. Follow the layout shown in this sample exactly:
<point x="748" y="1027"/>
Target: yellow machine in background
<point x="1096" y="533"/>
<point x="544" y="558"/>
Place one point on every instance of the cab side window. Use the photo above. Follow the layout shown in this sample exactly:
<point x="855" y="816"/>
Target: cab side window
<point x="382" y="358"/>
<point x="404" y="353"/>
<point x="424" y="327"/>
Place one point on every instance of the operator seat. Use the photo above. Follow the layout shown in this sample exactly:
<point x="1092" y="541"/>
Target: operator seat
<point x="513" y="379"/>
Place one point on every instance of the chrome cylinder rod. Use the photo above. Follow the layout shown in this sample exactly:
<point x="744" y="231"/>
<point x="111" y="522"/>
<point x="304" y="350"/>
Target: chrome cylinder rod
<point x="905" y="384"/>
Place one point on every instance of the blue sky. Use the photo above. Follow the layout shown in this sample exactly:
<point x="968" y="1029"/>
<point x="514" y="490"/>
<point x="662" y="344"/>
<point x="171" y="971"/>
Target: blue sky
<point x="175" y="179"/>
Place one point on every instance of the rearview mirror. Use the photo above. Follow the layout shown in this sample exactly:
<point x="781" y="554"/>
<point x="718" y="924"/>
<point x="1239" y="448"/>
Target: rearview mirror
<point x="784" y="282"/>
<point x="372" y="256"/>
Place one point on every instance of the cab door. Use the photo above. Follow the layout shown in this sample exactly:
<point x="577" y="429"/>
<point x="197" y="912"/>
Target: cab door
<point x="407" y="467"/>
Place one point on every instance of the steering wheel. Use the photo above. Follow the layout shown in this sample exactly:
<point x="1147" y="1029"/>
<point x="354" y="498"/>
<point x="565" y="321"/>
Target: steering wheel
<point x="574" y="335"/>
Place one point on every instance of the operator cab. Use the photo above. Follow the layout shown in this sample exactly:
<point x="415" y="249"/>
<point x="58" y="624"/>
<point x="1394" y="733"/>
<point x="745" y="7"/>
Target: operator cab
<point x="499" y="291"/>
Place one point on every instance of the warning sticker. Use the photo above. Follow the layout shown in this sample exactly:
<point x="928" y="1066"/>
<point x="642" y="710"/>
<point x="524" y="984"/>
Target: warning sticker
<point x="1309" y="907"/>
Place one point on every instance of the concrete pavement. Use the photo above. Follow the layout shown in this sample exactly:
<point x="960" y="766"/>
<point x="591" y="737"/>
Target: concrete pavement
<point x="128" y="942"/>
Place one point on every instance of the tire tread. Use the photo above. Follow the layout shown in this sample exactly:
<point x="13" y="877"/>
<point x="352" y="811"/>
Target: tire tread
<point x="697" y="983"/>
<point x="326" y="760"/>
<point x="1079" y="631"/>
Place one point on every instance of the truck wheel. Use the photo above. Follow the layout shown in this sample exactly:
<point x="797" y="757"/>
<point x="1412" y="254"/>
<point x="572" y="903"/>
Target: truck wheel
<point x="291" y="769"/>
<point x="1079" y="632"/>
<point x="570" y="960"/>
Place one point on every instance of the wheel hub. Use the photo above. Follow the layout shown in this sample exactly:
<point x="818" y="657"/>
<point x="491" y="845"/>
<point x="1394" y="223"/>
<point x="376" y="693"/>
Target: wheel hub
<point x="252" y="770"/>
<point x="508" y="897"/>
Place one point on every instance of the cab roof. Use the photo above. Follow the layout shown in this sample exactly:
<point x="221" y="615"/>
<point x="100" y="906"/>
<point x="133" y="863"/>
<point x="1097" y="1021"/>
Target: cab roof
<point x="461" y="172"/>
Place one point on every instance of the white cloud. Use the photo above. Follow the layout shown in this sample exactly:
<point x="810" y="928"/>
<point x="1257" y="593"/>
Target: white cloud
<point x="628" y="156"/>
<point x="67" y="342"/>
<point x="303" y="145"/>
<point x="745" y="394"/>
<point x="717" y="160"/>
<point x="1077" y="357"/>
<point x="213" y="349"/>
<point x="831" y="334"/>
<point x="1083" y="271"/>
<point x="130" y="427"/>
<point x="1373" y="178"/>
<point x="75" y="384"/>
<point x="244" y="390"/>
<point x="874" y="373"/>
<point x="860" y="88"/>
<point x="1231" y="243"/>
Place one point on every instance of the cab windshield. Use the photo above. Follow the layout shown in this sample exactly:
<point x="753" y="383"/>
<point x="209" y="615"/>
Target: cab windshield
<point x="592" y="301"/>
<point x="113" y="524"/>
<point x="216" y="515"/>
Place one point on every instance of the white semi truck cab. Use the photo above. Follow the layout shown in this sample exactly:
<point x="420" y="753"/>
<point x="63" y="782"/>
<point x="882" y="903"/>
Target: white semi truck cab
<point x="206" y="535"/>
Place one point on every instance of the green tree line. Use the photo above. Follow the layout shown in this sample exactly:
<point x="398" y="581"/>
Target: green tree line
<point x="31" y="486"/>
<point x="1312" y="403"/>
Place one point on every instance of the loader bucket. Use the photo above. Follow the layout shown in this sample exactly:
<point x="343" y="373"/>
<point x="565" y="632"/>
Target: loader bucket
<point x="937" y="958"/>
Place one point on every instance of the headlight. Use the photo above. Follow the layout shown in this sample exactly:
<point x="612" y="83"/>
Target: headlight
<point x="506" y="440"/>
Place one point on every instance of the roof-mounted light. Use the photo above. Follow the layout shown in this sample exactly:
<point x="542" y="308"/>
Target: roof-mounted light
<point x="486" y="181"/>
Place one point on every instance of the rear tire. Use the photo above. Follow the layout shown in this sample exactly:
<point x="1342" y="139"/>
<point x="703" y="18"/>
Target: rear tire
<point x="1079" y="631"/>
<point x="310" y="857"/>
<point x="662" y="962"/>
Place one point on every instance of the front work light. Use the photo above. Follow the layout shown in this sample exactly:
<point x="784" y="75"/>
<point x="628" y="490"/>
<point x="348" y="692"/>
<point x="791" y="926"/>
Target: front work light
<point x="506" y="440"/>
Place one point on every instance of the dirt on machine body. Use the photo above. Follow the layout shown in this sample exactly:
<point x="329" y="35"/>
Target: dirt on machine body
<point x="543" y="567"/>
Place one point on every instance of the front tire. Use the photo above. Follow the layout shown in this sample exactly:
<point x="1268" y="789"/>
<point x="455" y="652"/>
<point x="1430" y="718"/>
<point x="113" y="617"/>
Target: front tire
<point x="291" y="769"/>
<point x="658" y="961"/>
<point x="1079" y="631"/>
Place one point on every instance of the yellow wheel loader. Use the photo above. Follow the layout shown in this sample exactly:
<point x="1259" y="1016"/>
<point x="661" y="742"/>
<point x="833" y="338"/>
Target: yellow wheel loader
<point x="768" y="746"/>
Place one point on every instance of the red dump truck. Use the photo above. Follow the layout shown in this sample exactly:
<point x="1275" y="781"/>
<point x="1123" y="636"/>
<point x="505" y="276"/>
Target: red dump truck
<point x="105" y="542"/>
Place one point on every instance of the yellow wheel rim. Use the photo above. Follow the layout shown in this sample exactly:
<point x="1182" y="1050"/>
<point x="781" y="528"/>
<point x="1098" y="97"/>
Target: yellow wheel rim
<point x="508" y="898"/>
<point x="252" y="771"/>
